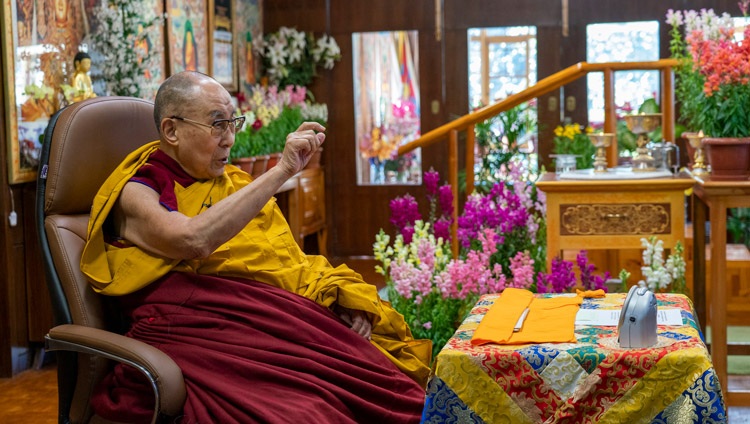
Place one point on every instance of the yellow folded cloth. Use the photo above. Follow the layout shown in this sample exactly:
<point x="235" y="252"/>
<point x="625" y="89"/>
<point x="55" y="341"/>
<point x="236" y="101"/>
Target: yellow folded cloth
<point x="550" y="320"/>
<point x="497" y="324"/>
<point x="591" y="293"/>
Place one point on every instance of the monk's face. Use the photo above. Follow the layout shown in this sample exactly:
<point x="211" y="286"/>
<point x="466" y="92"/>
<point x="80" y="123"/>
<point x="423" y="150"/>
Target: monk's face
<point x="201" y="154"/>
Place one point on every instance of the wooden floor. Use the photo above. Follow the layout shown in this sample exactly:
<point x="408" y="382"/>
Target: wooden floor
<point x="31" y="398"/>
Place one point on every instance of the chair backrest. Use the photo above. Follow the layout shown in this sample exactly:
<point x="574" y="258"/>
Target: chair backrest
<point x="83" y="144"/>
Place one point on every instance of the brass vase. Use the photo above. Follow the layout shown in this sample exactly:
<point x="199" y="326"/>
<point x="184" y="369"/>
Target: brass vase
<point x="601" y="141"/>
<point x="642" y="124"/>
<point x="695" y="140"/>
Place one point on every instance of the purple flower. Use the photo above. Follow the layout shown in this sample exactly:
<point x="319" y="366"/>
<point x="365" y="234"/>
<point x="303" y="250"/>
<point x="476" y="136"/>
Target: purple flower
<point x="560" y="280"/>
<point x="445" y="200"/>
<point x="442" y="228"/>
<point x="404" y="213"/>
<point x="431" y="179"/>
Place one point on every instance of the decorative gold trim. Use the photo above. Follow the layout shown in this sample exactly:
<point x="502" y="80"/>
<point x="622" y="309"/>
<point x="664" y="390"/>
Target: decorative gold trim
<point x="615" y="219"/>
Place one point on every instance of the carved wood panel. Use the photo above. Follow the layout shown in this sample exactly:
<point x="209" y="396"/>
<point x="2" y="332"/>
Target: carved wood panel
<point x="615" y="219"/>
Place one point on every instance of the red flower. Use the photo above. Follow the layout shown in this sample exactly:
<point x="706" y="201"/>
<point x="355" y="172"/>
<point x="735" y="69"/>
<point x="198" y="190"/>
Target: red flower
<point x="257" y="124"/>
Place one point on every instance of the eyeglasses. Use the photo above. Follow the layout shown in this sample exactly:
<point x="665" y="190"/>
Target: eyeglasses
<point x="219" y="126"/>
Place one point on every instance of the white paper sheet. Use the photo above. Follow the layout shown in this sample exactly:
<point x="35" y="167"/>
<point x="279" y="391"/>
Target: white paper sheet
<point x="612" y="317"/>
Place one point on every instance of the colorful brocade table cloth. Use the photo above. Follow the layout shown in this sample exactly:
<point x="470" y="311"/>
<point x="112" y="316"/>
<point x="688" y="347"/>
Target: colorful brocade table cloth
<point x="591" y="381"/>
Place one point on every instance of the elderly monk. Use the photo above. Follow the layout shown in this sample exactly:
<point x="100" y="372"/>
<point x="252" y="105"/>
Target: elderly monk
<point x="205" y="268"/>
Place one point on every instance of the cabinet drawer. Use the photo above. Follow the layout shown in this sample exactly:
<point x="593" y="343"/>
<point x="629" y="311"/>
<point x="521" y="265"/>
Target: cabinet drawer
<point x="615" y="219"/>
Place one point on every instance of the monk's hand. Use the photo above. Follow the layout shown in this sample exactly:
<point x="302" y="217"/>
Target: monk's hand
<point x="300" y="146"/>
<point x="357" y="320"/>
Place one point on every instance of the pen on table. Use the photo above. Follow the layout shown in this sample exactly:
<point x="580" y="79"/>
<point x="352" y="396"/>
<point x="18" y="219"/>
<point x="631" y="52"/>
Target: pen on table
<point x="521" y="319"/>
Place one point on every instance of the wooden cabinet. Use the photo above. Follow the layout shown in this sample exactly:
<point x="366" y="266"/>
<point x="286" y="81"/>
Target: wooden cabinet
<point x="302" y="198"/>
<point x="612" y="214"/>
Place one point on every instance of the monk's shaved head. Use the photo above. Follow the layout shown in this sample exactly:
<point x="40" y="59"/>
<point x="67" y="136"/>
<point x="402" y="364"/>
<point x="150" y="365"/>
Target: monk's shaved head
<point x="175" y="92"/>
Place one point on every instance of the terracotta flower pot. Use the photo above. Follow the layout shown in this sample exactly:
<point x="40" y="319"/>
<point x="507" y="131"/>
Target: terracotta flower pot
<point x="245" y="164"/>
<point x="260" y="165"/>
<point x="273" y="159"/>
<point x="729" y="158"/>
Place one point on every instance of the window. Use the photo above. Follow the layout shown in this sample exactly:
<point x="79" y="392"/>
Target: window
<point x="622" y="42"/>
<point x="386" y="106"/>
<point x="502" y="61"/>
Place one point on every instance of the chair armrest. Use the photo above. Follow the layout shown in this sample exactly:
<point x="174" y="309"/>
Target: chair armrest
<point x="162" y="372"/>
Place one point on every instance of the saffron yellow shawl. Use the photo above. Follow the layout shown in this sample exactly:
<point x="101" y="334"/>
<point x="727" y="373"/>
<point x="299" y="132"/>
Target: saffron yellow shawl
<point x="264" y="250"/>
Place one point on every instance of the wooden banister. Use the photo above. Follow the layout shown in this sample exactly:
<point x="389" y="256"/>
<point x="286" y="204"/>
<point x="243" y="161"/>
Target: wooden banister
<point x="546" y="85"/>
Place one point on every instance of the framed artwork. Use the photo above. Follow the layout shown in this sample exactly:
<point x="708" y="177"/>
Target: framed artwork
<point x="187" y="35"/>
<point x="223" y="55"/>
<point x="40" y="39"/>
<point x="248" y="25"/>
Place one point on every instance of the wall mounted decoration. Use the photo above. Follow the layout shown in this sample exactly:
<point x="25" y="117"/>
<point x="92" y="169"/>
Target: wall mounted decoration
<point x="248" y="27"/>
<point x="223" y="55"/>
<point x="40" y="39"/>
<point x="187" y="36"/>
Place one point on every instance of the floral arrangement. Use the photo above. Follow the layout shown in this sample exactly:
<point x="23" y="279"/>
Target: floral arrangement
<point x="712" y="79"/>
<point x="271" y="114"/>
<point x="122" y="38"/>
<point x="571" y="139"/>
<point x="659" y="275"/>
<point x="291" y="57"/>
<point x="380" y="145"/>
<point x="501" y="245"/>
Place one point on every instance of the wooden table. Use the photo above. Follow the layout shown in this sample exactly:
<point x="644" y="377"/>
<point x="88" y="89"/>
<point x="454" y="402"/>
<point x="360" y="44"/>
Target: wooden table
<point x="590" y="381"/>
<point x="716" y="197"/>
<point x="613" y="214"/>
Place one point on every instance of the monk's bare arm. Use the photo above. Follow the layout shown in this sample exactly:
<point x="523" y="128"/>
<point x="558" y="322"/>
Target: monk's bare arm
<point x="140" y="219"/>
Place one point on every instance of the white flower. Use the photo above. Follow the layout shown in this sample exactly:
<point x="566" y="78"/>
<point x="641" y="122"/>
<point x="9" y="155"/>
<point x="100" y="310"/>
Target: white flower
<point x="287" y="56"/>
<point x="123" y="26"/>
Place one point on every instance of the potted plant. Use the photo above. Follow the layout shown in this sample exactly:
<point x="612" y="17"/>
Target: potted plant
<point x="712" y="86"/>
<point x="571" y="139"/>
<point x="292" y="57"/>
<point x="271" y="115"/>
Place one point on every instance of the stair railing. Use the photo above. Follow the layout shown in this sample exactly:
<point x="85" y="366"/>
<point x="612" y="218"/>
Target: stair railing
<point x="468" y="122"/>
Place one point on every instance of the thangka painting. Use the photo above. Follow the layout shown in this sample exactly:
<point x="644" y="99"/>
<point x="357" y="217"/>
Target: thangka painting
<point x="40" y="39"/>
<point x="248" y="29"/>
<point x="223" y="55"/>
<point x="187" y="33"/>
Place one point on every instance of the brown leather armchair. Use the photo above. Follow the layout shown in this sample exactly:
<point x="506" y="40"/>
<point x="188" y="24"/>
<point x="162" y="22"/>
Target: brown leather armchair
<point x="83" y="144"/>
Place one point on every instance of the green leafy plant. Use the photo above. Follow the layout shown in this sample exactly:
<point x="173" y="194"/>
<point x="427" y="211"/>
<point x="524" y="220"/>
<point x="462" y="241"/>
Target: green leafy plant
<point x="271" y="114"/>
<point x="500" y="140"/>
<point x="738" y="225"/>
<point x="571" y="139"/>
<point x="711" y="79"/>
<point x="292" y="57"/>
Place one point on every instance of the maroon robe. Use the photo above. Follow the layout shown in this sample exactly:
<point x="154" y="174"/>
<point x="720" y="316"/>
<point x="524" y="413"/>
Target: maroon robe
<point x="251" y="352"/>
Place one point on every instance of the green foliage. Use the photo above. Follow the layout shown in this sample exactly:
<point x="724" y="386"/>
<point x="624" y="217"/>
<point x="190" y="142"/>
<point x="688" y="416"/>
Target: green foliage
<point x="714" y="96"/>
<point x="267" y="139"/>
<point x="499" y="139"/>
<point x="570" y="139"/>
<point x="445" y="315"/>
<point x="738" y="225"/>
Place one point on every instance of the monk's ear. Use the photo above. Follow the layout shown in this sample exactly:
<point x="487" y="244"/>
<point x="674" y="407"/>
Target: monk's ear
<point x="169" y="130"/>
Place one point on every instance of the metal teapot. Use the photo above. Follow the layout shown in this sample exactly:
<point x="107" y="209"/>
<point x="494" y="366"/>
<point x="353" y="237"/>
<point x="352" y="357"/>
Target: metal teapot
<point x="666" y="156"/>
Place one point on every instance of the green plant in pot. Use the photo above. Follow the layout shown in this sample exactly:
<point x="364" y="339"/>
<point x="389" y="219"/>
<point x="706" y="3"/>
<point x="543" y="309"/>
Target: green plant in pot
<point x="271" y="114"/>
<point x="711" y="86"/>
<point x="571" y="139"/>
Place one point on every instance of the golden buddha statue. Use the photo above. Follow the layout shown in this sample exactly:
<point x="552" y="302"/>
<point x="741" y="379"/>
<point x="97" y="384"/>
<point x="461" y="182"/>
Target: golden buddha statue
<point x="81" y="80"/>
